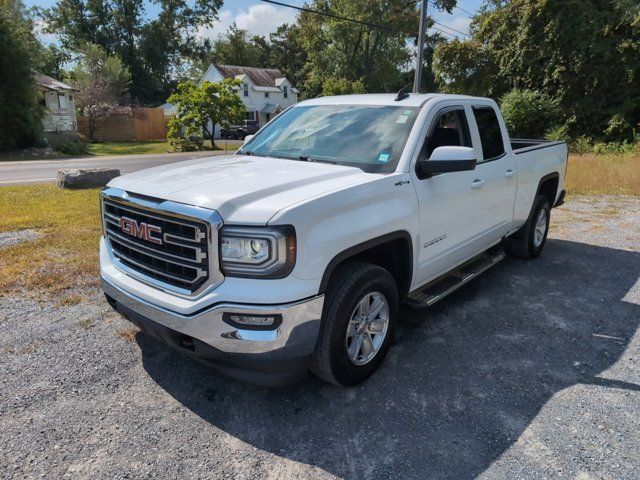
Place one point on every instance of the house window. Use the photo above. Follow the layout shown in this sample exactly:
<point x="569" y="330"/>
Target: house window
<point x="268" y="117"/>
<point x="249" y="116"/>
<point x="266" y="94"/>
<point x="245" y="89"/>
<point x="285" y="90"/>
<point x="62" y="101"/>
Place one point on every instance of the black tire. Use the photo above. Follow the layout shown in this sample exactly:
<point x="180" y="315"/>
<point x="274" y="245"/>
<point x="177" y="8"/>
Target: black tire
<point x="348" y="286"/>
<point x="522" y="244"/>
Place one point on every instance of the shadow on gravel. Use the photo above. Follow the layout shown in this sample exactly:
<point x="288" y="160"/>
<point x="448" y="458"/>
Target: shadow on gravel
<point x="464" y="381"/>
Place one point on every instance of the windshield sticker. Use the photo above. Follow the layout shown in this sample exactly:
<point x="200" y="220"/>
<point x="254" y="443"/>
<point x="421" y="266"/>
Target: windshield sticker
<point x="383" y="158"/>
<point x="408" y="112"/>
<point x="402" y="119"/>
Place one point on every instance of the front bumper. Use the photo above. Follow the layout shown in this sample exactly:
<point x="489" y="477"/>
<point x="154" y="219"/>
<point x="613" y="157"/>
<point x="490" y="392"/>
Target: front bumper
<point x="265" y="357"/>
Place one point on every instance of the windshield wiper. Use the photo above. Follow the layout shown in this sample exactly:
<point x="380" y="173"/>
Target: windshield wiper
<point x="305" y="158"/>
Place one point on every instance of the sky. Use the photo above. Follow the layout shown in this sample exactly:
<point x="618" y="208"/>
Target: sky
<point x="263" y="18"/>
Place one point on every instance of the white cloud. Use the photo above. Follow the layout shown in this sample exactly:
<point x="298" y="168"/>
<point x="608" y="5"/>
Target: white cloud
<point x="46" y="38"/>
<point x="257" y="20"/>
<point x="460" y="23"/>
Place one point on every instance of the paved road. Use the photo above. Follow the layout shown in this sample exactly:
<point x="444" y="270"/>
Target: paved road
<point x="40" y="171"/>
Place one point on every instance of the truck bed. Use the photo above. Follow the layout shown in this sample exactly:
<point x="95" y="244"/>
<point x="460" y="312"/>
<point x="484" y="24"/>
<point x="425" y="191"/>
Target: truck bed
<point x="521" y="145"/>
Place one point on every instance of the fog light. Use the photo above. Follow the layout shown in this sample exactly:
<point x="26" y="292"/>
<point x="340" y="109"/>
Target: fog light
<point x="250" y="321"/>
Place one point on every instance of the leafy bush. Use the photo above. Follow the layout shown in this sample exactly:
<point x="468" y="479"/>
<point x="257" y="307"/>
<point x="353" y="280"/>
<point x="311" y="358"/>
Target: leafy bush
<point x="183" y="143"/>
<point x="73" y="144"/>
<point x="528" y="113"/>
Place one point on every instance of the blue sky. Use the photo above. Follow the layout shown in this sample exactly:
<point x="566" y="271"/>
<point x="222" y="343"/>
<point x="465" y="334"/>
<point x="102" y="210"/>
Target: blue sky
<point x="263" y="18"/>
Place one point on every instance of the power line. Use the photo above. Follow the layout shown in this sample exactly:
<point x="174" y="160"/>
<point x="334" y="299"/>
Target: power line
<point x="360" y="22"/>
<point x="451" y="28"/>
<point x="338" y="17"/>
<point x="464" y="11"/>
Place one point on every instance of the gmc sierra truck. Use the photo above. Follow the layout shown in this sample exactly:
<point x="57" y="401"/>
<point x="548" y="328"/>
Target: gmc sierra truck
<point x="296" y="252"/>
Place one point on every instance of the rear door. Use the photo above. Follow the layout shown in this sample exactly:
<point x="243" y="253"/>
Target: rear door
<point x="495" y="181"/>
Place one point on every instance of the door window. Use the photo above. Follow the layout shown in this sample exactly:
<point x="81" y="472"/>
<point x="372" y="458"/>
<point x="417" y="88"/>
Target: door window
<point x="450" y="129"/>
<point x="490" y="134"/>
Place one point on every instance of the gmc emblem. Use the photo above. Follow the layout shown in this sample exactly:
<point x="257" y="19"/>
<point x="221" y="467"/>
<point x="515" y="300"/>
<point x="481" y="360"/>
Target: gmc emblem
<point x="144" y="231"/>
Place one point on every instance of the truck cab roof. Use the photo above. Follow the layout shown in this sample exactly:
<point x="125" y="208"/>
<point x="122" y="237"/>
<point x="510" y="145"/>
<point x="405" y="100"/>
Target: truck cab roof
<point x="412" y="100"/>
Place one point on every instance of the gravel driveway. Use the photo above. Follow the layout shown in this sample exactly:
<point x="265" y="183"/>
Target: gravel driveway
<point x="531" y="371"/>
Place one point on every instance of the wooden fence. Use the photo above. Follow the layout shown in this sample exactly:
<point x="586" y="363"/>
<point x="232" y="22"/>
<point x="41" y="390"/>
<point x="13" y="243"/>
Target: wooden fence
<point x="142" y="125"/>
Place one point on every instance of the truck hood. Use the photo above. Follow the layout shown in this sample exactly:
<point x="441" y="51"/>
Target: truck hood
<point x="243" y="189"/>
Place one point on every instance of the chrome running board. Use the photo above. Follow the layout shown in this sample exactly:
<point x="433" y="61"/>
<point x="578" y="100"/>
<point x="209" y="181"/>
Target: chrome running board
<point x="435" y="291"/>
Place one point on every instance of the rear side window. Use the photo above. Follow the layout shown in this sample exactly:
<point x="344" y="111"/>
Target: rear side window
<point x="490" y="134"/>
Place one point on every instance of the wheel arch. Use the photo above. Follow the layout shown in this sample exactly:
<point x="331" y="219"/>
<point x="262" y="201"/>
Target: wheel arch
<point x="393" y="252"/>
<point x="548" y="187"/>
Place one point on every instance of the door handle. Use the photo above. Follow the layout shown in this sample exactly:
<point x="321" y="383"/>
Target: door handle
<point x="477" y="183"/>
<point x="509" y="173"/>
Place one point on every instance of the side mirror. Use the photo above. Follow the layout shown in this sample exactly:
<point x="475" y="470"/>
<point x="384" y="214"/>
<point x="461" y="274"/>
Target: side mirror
<point x="247" y="138"/>
<point x="447" y="159"/>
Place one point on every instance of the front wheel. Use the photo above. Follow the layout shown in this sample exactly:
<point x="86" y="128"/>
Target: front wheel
<point x="358" y="322"/>
<point x="529" y="241"/>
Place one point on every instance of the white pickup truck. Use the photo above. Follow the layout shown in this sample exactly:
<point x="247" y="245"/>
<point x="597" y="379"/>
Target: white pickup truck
<point x="296" y="252"/>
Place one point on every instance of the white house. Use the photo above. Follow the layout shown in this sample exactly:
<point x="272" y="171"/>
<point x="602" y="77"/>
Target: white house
<point x="60" y="112"/>
<point x="265" y="92"/>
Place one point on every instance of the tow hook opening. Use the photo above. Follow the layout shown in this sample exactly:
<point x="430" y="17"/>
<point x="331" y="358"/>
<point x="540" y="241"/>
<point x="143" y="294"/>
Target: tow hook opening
<point x="185" y="341"/>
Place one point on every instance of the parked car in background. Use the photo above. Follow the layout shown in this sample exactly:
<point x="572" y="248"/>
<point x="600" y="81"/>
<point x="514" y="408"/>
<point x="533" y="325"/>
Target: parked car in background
<point x="249" y="127"/>
<point x="296" y="252"/>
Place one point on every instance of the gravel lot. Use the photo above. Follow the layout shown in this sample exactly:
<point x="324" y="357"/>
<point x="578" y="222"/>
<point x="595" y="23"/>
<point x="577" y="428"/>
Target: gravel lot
<point x="531" y="371"/>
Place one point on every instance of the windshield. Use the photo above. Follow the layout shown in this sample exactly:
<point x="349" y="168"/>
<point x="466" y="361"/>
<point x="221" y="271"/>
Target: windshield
<point x="366" y="136"/>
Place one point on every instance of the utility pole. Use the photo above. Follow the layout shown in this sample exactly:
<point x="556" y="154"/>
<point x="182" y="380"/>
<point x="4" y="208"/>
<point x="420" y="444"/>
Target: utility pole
<point x="417" y="79"/>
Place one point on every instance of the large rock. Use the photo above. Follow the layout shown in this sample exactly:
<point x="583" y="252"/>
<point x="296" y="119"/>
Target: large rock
<point x="88" y="178"/>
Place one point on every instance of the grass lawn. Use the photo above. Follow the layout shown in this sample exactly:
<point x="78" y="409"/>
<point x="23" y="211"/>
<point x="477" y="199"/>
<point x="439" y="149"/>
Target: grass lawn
<point x="128" y="148"/>
<point x="142" y="148"/>
<point x="612" y="174"/>
<point x="66" y="254"/>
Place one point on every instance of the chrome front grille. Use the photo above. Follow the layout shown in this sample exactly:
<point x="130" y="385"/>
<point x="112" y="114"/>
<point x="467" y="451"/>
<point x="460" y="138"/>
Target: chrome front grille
<point x="171" y="246"/>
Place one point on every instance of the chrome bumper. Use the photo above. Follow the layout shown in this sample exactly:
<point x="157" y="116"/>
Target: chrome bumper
<point x="266" y="357"/>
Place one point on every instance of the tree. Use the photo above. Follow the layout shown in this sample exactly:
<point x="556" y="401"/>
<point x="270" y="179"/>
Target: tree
<point x="102" y="80"/>
<point x="200" y="108"/>
<point x="336" y="48"/>
<point x="236" y="47"/>
<point x="584" y="54"/>
<point x="341" y="86"/>
<point x="20" y="112"/>
<point x="154" y="50"/>
<point x="528" y="113"/>
<point x="288" y="53"/>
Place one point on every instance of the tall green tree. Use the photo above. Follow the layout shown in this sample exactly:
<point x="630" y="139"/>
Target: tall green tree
<point x="154" y="50"/>
<point x="20" y="112"/>
<point x="342" y="49"/>
<point x="237" y="47"/>
<point x="584" y="54"/>
<point x="288" y="53"/>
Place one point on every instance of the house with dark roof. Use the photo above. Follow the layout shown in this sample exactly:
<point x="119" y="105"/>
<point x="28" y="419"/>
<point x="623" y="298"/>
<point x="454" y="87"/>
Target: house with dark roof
<point x="264" y="91"/>
<point x="60" y="110"/>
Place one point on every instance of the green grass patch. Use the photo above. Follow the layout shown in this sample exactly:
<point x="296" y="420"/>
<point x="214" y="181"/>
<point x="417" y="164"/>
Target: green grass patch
<point x="66" y="253"/>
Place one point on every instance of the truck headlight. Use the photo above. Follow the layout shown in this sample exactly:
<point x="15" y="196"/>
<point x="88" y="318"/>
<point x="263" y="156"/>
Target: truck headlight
<point x="257" y="252"/>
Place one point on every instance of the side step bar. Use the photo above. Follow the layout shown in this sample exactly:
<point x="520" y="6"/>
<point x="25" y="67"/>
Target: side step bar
<point x="435" y="291"/>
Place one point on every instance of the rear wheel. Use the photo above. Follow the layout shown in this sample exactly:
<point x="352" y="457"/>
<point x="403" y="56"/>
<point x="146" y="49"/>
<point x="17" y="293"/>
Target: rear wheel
<point x="529" y="241"/>
<point x="358" y="322"/>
